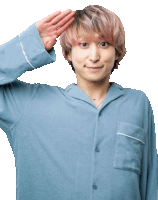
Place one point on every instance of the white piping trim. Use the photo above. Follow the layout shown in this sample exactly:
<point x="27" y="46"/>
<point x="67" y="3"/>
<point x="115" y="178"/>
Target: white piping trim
<point x="131" y="137"/>
<point x="25" y="54"/>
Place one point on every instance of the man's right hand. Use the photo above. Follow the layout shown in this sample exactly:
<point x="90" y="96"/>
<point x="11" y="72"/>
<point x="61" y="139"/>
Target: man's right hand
<point x="51" y="27"/>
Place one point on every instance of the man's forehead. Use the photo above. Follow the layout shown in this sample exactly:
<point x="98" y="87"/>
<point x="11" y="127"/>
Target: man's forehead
<point x="91" y="36"/>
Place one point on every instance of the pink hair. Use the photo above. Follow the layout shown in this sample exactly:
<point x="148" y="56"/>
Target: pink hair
<point x="95" y="18"/>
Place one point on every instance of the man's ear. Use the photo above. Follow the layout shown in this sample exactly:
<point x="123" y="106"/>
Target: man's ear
<point x="116" y="57"/>
<point x="69" y="57"/>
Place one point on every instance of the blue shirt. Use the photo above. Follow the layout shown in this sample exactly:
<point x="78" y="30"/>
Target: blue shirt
<point x="66" y="148"/>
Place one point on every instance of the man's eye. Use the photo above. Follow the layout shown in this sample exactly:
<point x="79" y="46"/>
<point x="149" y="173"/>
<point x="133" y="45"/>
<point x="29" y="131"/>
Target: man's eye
<point x="83" y="44"/>
<point x="105" y="42"/>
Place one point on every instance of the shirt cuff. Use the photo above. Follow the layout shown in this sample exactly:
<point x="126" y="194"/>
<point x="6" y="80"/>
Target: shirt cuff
<point x="33" y="48"/>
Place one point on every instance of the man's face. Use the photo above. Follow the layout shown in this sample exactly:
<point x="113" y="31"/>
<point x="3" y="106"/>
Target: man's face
<point x="92" y="60"/>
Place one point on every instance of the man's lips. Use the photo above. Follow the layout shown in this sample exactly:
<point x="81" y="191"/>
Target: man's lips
<point x="95" y="67"/>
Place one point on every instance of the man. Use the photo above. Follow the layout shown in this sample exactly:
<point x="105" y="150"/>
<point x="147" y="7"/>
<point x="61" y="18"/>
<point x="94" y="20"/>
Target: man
<point x="94" y="140"/>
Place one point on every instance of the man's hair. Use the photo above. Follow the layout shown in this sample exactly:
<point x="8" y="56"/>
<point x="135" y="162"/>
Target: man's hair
<point x="95" y="19"/>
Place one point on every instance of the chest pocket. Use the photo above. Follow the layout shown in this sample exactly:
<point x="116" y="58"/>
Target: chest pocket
<point x="129" y="147"/>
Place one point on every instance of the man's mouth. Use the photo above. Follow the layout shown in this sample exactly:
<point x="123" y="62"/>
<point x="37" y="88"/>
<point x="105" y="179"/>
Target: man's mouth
<point x="94" y="67"/>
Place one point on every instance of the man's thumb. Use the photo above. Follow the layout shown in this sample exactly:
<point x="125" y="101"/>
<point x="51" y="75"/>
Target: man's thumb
<point x="50" y="43"/>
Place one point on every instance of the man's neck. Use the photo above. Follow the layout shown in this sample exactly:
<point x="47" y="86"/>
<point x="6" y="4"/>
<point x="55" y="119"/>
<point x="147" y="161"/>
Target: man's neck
<point x="95" y="90"/>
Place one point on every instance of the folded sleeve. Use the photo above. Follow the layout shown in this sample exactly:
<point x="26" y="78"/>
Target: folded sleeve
<point x="152" y="165"/>
<point x="23" y="53"/>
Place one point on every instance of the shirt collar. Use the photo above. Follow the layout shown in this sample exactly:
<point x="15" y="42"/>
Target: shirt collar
<point x="113" y="93"/>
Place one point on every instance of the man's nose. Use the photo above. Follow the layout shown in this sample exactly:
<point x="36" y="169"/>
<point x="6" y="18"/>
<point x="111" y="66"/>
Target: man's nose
<point x="94" y="54"/>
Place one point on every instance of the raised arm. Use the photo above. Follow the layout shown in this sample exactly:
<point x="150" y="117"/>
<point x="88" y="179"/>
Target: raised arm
<point x="29" y="50"/>
<point x="32" y="48"/>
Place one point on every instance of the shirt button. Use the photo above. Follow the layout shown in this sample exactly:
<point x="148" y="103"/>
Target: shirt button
<point x="97" y="149"/>
<point x="95" y="186"/>
<point x="99" y="113"/>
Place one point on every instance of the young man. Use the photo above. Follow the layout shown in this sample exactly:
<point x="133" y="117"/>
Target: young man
<point x="94" y="140"/>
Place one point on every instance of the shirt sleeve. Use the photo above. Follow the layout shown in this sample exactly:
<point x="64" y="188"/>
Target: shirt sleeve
<point x="23" y="53"/>
<point x="152" y="166"/>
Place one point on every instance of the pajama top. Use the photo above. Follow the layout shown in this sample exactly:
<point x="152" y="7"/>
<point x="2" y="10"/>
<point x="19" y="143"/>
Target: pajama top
<point x="65" y="147"/>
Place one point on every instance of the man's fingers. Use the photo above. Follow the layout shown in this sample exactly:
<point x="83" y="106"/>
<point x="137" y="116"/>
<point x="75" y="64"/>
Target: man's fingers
<point x="64" y="20"/>
<point x="63" y="28"/>
<point x="51" y="16"/>
<point x="60" y="17"/>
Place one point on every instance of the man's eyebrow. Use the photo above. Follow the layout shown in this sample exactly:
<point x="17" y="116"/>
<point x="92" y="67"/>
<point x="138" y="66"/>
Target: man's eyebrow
<point x="98" y="37"/>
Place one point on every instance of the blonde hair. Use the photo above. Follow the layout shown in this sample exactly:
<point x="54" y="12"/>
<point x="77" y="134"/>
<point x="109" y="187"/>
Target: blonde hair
<point x="95" y="18"/>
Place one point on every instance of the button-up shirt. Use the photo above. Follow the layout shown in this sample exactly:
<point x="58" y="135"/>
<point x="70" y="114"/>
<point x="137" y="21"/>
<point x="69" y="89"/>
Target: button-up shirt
<point x="65" y="147"/>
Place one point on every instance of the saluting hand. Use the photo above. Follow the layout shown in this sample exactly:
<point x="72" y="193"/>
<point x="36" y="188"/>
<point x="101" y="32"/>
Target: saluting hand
<point x="51" y="27"/>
